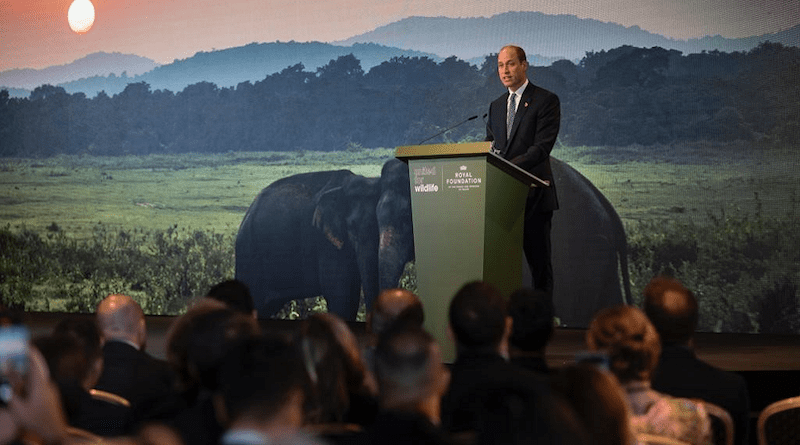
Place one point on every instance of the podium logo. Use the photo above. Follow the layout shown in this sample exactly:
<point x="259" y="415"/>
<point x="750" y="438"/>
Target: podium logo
<point x="426" y="188"/>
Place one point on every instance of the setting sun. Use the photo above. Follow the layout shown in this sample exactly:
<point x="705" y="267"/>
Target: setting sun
<point x="81" y="16"/>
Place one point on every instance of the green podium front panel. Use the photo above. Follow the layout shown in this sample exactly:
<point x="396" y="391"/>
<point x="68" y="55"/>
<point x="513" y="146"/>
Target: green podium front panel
<point x="468" y="219"/>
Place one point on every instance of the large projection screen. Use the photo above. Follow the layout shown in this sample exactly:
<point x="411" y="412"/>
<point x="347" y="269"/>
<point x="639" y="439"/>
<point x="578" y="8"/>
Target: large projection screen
<point x="134" y="136"/>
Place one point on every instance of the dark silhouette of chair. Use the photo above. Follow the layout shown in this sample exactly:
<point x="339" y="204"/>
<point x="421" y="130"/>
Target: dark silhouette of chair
<point x="721" y="423"/>
<point x="779" y="423"/>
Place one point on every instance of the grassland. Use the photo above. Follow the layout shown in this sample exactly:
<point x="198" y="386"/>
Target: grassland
<point x="717" y="200"/>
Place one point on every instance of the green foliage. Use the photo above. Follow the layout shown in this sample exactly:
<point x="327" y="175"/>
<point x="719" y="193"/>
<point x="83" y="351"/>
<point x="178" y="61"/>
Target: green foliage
<point x="162" y="269"/>
<point x="743" y="268"/>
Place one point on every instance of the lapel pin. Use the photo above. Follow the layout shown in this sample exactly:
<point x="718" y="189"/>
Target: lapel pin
<point x="526" y="104"/>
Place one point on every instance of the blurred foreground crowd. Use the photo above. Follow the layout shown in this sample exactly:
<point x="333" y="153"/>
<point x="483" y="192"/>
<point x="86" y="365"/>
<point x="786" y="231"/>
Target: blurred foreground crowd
<point x="228" y="381"/>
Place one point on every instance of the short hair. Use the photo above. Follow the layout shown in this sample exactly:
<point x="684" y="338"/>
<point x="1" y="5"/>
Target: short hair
<point x="395" y="305"/>
<point x="630" y="340"/>
<point x="258" y="375"/>
<point x="197" y="341"/>
<point x="235" y="294"/>
<point x="404" y="358"/>
<point x="672" y="308"/>
<point x="86" y="331"/>
<point x="532" y="312"/>
<point x="478" y="315"/>
<point x="518" y="50"/>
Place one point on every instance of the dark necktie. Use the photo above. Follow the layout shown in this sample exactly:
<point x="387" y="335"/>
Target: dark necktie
<point x="512" y="110"/>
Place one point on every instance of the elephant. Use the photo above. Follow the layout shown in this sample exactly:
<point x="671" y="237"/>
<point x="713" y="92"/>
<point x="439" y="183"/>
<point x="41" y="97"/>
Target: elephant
<point x="328" y="233"/>
<point x="590" y="250"/>
<point x="336" y="234"/>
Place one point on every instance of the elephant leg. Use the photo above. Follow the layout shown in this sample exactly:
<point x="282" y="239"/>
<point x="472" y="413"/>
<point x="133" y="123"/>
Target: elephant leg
<point x="340" y="282"/>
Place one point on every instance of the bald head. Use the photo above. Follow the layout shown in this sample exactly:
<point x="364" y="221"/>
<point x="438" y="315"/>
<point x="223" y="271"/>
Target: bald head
<point x="672" y="308"/>
<point x="121" y="318"/>
<point x="392" y="305"/>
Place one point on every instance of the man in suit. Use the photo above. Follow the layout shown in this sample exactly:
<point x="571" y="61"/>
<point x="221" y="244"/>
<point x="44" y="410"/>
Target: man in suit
<point x="523" y="125"/>
<point x="129" y="372"/>
<point x="673" y="309"/>
<point x="481" y="327"/>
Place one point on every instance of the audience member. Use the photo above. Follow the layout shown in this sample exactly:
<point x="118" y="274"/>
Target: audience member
<point x="597" y="398"/>
<point x="342" y="389"/>
<point x="632" y="344"/>
<point x="235" y="295"/>
<point x="74" y="357"/>
<point x="673" y="310"/>
<point x="390" y="306"/>
<point x="481" y="328"/>
<point x="412" y="378"/>
<point x="261" y="395"/>
<point x="196" y="345"/>
<point x="129" y="372"/>
<point x="532" y="313"/>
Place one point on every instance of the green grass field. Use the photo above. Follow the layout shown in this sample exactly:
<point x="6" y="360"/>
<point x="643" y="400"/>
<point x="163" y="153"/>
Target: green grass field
<point x="666" y="196"/>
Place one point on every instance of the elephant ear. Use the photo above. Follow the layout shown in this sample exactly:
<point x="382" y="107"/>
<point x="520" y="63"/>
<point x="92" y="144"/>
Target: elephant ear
<point x="329" y="215"/>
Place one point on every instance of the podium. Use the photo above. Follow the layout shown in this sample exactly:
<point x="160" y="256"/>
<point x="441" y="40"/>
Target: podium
<point x="468" y="209"/>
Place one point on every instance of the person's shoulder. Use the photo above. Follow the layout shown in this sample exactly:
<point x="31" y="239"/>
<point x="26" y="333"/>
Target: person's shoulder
<point x="534" y="90"/>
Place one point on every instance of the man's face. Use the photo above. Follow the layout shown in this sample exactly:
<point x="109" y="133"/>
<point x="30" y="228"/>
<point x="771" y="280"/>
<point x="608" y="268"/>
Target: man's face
<point x="512" y="72"/>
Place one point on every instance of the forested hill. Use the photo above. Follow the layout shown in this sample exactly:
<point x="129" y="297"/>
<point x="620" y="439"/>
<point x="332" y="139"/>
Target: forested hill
<point x="619" y="97"/>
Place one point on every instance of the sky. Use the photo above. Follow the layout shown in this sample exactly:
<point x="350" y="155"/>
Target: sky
<point x="35" y="33"/>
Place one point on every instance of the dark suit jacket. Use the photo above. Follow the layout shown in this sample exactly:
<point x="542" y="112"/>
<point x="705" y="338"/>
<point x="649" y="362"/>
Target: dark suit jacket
<point x="533" y="135"/>
<point x="681" y="374"/>
<point x="145" y="381"/>
<point x="474" y="378"/>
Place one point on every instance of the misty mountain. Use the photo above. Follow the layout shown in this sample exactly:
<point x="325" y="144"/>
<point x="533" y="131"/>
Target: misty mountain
<point x="229" y="67"/>
<point x="547" y="36"/>
<point x="96" y="64"/>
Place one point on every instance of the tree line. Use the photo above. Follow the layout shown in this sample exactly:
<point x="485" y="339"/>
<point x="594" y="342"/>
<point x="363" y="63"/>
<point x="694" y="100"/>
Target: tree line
<point x="620" y="97"/>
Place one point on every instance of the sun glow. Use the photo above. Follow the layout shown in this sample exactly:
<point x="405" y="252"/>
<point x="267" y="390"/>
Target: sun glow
<point x="81" y="16"/>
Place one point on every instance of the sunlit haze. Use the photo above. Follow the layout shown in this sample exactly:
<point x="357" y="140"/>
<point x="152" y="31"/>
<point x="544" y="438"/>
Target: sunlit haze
<point x="35" y="33"/>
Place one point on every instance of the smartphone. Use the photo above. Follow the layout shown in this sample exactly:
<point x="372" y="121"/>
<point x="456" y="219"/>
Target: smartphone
<point x="14" y="363"/>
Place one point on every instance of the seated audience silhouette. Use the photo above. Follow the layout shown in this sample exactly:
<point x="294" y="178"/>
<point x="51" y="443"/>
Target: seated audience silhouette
<point x="235" y="295"/>
<point x="261" y="393"/>
<point x="74" y="357"/>
<point x="481" y="327"/>
<point x="196" y="346"/>
<point x="673" y="310"/>
<point x="599" y="401"/>
<point x="128" y="371"/>
<point x="631" y="342"/>
<point x="342" y="390"/>
<point x="532" y="313"/>
<point x="412" y="378"/>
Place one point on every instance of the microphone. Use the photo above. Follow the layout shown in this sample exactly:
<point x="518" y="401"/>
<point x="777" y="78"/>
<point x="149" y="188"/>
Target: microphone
<point x="448" y="129"/>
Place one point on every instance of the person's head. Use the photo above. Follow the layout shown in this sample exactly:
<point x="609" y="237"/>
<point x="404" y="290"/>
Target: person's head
<point x="391" y="305"/>
<point x="532" y="312"/>
<point x="630" y="340"/>
<point x="86" y="332"/>
<point x="261" y="386"/>
<point x="672" y="308"/>
<point x="335" y="367"/>
<point x="197" y="341"/>
<point x="512" y="66"/>
<point x="479" y="320"/>
<point x="121" y="318"/>
<point x="409" y="369"/>
<point x="597" y="398"/>
<point x="235" y="295"/>
<point x="70" y="359"/>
